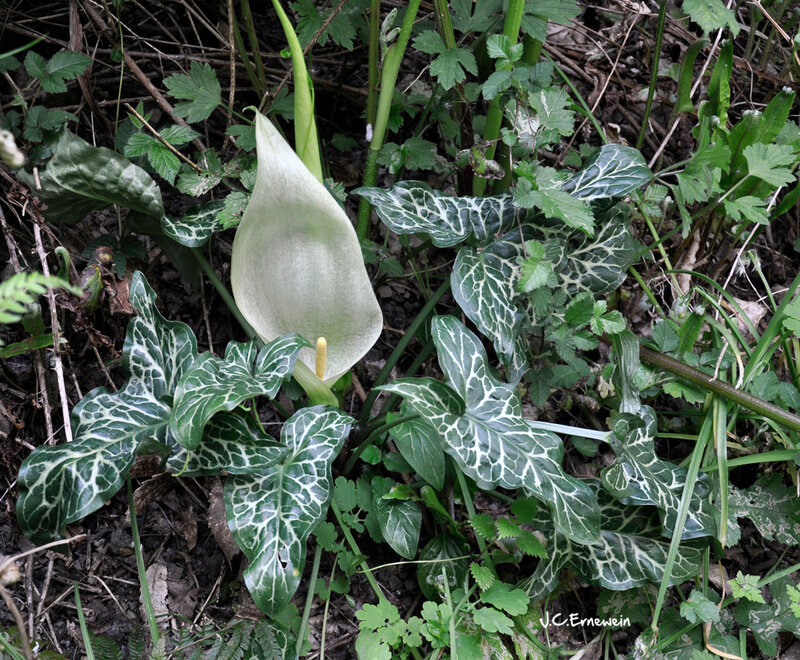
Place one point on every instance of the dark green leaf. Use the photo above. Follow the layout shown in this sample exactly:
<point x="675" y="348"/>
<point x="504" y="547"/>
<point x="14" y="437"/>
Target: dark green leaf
<point x="201" y="90"/>
<point x="196" y="226"/>
<point x="421" y="447"/>
<point x="81" y="178"/>
<point x="613" y="171"/>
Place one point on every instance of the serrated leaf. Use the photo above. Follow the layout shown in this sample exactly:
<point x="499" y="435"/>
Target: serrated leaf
<point x="492" y="621"/>
<point x="421" y="447"/>
<point x="80" y="178"/>
<point x="551" y="104"/>
<point x="773" y="508"/>
<point x="770" y="162"/>
<point x="196" y="226"/>
<point x="749" y="208"/>
<point x="480" y="422"/>
<point x="399" y="520"/>
<point x="483" y="575"/>
<point x="178" y="135"/>
<point x="746" y="586"/>
<point x="559" y="204"/>
<point x="61" y="484"/>
<point x="530" y="545"/>
<point x="272" y="513"/>
<point x="699" y="608"/>
<point x="35" y="64"/>
<point x="244" y="135"/>
<point x="411" y="207"/>
<point x="613" y="171"/>
<point x="429" y="42"/>
<point x="451" y="65"/>
<point x="233" y="207"/>
<point x="212" y="385"/>
<point x="507" y="528"/>
<point x="163" y="161"/>
<point x="504" y="597"/>
<point x="483" y="524"/>
<point x="639" y="477"/>
<point x="711" y="15"/>
<point x="201" y="90"/>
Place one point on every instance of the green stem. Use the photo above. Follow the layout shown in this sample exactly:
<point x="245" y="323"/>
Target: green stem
<point x="494" y="118"/>
<point x="247" y="17"/>
<point x="223" y="292"/>
<point x="87" y="641"/>
<point x="716" y="386"/>
<point x="306" y="143"/>
<point x="683" y="512"/>
<point x="354" y="548"/>
<point x="312" y="582"/>
<point x="140" y="569"/>
<point x="373" y="69"/>
<point x="662" y="17"/>
<point x="400" y="349"/>
<point x="317" y="391"/>
<point x="391" y="67"/>
<point x="240" y="48"/>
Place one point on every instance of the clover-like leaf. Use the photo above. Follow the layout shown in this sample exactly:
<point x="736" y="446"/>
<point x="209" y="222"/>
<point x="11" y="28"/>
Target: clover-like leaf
<point x="212" y="385"/>
<point x="640" y="477"/>
<point x="61" y="484"/>
<point x="271" y="513"/>
<point x="80" y="178"/>
<point x="613" y="171"/>
<point x="479" y="420"/>
<point x="297" y="265"/>
<point x="411" y="207"/>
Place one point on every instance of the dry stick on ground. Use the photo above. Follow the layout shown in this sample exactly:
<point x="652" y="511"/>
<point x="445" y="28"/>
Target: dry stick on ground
<point x="140" y="75"/>
<point x="232" y="73"/>
<point x="54" y="326"/>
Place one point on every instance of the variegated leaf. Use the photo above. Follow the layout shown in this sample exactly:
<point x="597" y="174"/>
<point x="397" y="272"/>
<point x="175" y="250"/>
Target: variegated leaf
<point x="196" y="226"/>
<point x="773" y="508"/>
<point x="411" y="207"/>
<point x="613" y="171"/>
<point x="212" y="385"/>
<point x="630" y="553"/>
<point x="59" y="485"/>
<point x="272" y="513"/>
<point x="640" y="477"/>
<point x="480" y="422"/>
<point x="230" y="444"/>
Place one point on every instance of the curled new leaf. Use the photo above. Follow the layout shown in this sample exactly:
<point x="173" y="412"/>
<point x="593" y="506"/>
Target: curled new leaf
<point x="297" y="264"/>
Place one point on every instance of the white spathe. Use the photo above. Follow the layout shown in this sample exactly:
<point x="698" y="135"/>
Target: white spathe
<point x="297" y="264"/>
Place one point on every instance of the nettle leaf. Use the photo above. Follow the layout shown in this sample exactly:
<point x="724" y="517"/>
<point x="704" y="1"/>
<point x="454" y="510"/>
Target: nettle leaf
<point x="59" y="485"/>
<point x="81" y="178"/>
<point x="613" y="171"/>
<point x="411" y="207"/>
<point x="212" y="384"/>
<point x="201" y="90"/>
<point x="773" y="508"/>
<point x="639" y="477"/>
<point x="480" y="422"/>
<point x="272" y="513"/>
<point x="196" y="226"/>
<point x="630" y="553"/>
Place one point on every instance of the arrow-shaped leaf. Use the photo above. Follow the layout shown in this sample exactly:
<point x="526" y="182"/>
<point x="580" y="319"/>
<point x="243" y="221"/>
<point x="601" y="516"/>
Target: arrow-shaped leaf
<point x="272" y="513"/>
<point x="613" y="171"/>
<point x="480" y="422"/>
<point x="639" y="477"/>
<point x="212" y="385"/>
<point x="59" y="485"/>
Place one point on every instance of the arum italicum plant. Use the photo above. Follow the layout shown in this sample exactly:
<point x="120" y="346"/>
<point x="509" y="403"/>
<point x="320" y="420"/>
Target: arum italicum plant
<point x="297" y="267"/>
